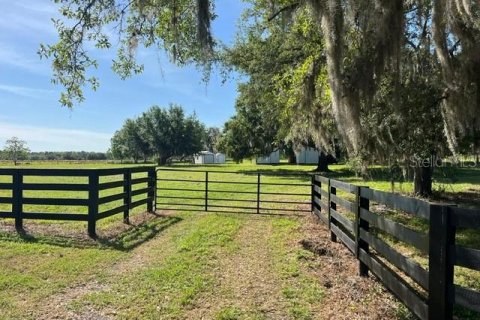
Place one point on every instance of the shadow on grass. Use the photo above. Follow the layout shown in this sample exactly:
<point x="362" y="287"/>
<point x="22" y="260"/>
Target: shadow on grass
<point x="138" y="234"/>
<point x="123" y="238"/>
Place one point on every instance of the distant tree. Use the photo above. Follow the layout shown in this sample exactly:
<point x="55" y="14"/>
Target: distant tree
<point x="254" y="130"/>
<point x="67" y="155"/>
<point x="15" y="149"/>
<point x="165" y="133"/>
<point x="135" y="144"/>
<point x="212" y="136"/>
<point x="141" y="139"/>
<point x="117" y="148"/>
<point x="235" y="140"/>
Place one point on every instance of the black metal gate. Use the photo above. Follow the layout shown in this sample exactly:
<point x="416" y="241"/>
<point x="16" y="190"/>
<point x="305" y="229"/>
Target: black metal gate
<point x="228" y="191"/>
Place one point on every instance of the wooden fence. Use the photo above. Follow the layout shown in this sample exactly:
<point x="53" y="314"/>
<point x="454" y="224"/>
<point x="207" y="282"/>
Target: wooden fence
<point x="351" y="213"/>
<point x="119" y="193"/>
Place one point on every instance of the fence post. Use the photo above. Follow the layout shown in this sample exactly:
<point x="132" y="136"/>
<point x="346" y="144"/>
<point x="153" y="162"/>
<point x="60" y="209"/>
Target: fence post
<point x="206" y="190"/>
<point x="312" y="191"/>
<point x="258" y="193"/>
<point x="152" y="181"/>
<point x="17" y="194"/>
<point x="362" y="203"/>
<point x="442" y="238"/>
<point x="93" y="181"/>
<point x="332" y="205"/>
<point x="127" y="200"/>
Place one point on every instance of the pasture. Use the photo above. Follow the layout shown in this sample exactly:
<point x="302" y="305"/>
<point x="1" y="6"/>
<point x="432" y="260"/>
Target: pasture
<point x="188" y="265"/>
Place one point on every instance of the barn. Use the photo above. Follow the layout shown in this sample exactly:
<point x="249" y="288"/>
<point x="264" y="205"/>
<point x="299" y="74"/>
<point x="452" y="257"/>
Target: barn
<point x="272" y="158"/>
<point x="219" y="158"/>
<point x="307" y="155"/>
<point x="204" y="157"/>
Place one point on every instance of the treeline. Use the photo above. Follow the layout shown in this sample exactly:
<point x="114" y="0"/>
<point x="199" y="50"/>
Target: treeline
<point x="57" y="155"/>
<point x="164" y="134"/>
<point x="67" y="155"/>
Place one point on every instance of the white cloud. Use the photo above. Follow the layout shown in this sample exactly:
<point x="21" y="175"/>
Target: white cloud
<point x="18" y="58"/>
<point x="48" y="139"/>
<point x="27" y="92"/>
<point x="38" y="6"/>
<point x="29" y="18"/>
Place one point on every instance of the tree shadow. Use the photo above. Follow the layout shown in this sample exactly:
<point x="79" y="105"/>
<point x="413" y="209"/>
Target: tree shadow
<point x="138" y="234"/>
<point x="123" y="238"/>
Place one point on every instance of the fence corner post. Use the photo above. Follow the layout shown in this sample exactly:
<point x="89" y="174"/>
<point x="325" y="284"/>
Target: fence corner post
<point x="17" y="194"/>
<point x="127" y="200"/>
<point x="93" y="191"/>
<point x="362" y="203"/>
<point x="441" y="269"/>
<point x="152" y="182"/>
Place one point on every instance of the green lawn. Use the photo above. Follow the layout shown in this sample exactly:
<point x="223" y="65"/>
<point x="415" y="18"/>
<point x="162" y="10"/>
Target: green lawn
<point x="188" y="265"/>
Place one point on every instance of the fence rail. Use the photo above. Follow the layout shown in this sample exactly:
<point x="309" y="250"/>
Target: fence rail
<point x="429" y="294"/>
<point x="93" y="204"/>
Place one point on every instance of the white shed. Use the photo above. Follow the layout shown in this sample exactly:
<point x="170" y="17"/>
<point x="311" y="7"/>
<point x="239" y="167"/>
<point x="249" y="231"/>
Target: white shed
<point x="307" y="155"/>
<point x="219" y="158"/>
<point x="272" y="158"/>
<point x="204" y="157"/>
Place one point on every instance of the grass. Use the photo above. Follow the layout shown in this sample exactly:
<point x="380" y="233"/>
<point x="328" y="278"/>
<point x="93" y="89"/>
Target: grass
<point x="185" y="264"/>
<point x="166" y="278"/>
<point x="156" y="270"/>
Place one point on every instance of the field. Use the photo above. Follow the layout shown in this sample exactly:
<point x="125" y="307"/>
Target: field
<point x="193" y="265"/>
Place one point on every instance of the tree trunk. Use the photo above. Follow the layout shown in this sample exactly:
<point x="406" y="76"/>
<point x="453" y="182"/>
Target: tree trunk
<point x="422" y="179"/>
<point x="162" y="160"/>
<point x="291" y="155"/>
<point x="322" y="165"/>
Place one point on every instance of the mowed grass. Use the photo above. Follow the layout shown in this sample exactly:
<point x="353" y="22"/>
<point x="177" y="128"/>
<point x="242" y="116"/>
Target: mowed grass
<point x="167" y="277"/>
<point x="159" y="269"/>
<point x="177" y="266"/>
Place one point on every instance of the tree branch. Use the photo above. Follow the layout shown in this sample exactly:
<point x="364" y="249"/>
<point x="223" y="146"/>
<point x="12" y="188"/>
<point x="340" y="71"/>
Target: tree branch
<point x="289" y="7"/>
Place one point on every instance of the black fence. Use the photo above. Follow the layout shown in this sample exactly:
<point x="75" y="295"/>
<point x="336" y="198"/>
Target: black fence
<point x="74" y="194"/>
<point x="368" y="222"/>
<point x="414" y="247"/>
<point x="229" y="191"/>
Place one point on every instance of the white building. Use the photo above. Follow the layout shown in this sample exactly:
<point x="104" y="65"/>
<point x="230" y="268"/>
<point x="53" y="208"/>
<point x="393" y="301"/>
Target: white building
<point x="219" y="158"/>
<point x="272" y="158"/>
<point x="307" y="155"/>
<point x="204" y="157"/>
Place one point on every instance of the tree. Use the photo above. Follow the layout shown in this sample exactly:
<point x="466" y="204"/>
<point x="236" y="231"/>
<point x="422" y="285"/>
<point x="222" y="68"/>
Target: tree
<point x="235" y="140"/>
<point x="212" y="136"/>
<point x="118" y="148"/>
<point x="15" y="149"/>
<point x="135" y="143"/>
<point x="278" y="101"/>
<point x="171" y="134"/>
<point x="180" y="27"/>
<point x="165" y="133"/>
<point x="321" y="64"/>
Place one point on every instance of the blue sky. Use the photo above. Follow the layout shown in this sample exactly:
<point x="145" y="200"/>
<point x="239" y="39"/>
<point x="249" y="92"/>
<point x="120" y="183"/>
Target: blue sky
<point x="29" y="105"/>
